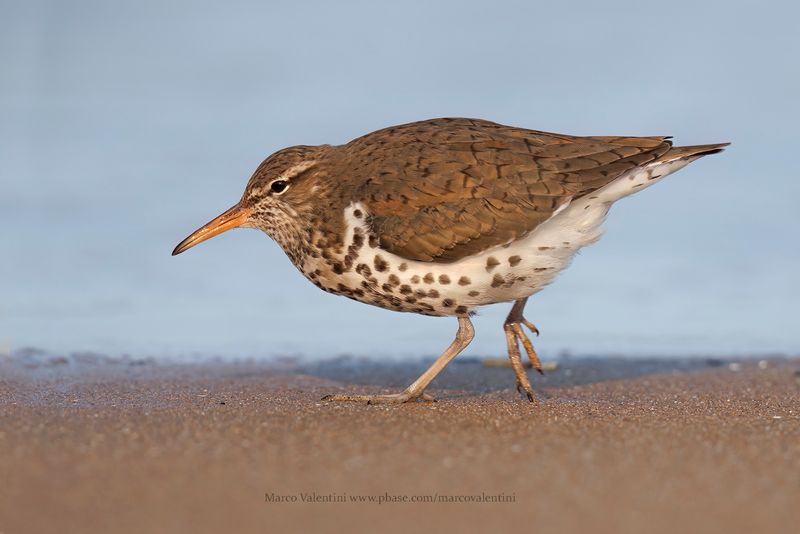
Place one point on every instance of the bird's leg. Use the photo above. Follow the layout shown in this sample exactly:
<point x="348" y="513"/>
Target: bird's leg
<point x="523" y="384"/>
<point x="514" y="320"/>
<point x="514" y="333"/>
<point x="417" y="390"/>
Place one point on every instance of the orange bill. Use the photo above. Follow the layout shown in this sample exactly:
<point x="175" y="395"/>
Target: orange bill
<point x="233" y="218"/>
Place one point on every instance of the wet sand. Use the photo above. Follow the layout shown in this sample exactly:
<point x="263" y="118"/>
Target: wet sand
<point x="97" y="445"/>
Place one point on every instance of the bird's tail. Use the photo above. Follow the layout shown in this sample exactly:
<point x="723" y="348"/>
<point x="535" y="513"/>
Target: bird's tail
<point x="691" y="152"/>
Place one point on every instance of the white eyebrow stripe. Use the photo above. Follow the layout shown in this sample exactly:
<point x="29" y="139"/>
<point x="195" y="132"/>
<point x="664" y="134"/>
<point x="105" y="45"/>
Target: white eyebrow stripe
<point x="291" y="172"/>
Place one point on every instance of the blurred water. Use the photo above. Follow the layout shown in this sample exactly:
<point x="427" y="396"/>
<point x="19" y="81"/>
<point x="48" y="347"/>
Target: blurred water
<point x="125" y="125"/>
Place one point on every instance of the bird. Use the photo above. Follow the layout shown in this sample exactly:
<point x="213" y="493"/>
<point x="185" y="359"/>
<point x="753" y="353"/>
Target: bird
<point x="442" y="216"/>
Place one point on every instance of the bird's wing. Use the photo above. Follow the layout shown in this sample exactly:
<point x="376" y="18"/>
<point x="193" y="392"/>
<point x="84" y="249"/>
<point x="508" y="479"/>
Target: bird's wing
<point x="445" y="189"/>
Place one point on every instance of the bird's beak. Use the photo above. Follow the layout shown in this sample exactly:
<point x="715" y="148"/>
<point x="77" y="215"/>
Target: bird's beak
<point x="233" y="218"/>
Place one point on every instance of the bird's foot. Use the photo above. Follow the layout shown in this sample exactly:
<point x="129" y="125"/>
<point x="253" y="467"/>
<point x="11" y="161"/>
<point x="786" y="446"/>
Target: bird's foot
<point x="526" y="389"/>
<point x="514" y="335"/>
<point x="520" y="335"/>
<point x="530" y="325"/>
<point x="395" y="398"/>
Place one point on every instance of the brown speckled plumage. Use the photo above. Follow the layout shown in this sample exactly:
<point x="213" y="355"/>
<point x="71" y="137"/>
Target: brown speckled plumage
<point x="438" y="217"/>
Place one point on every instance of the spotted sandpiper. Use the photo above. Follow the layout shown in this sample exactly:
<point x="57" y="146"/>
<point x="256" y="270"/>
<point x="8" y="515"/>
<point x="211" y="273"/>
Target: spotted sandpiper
<point x="442" y="216"/>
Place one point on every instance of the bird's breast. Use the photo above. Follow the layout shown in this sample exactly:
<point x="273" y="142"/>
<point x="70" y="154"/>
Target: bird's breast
<point x="360" y="269"/>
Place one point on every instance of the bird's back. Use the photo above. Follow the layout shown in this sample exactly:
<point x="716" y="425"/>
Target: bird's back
<point x="443" y="189"/>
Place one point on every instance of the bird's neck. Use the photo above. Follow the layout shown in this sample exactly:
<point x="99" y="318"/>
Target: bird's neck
<point x="317" y="232"/>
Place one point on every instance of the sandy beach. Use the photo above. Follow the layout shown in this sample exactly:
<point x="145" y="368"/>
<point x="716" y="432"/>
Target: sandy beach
<point x="93" y="444"/>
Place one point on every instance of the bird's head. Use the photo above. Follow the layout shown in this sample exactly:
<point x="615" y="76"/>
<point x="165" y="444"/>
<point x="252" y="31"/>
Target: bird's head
<point x="278" y="196"/>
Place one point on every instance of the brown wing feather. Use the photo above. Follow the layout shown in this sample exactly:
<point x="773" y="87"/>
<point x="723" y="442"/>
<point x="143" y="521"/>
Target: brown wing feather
<point x="444" y="189"/>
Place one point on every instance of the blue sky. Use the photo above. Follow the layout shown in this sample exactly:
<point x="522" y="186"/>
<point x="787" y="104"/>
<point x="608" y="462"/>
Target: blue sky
<point x="125" y="125"/>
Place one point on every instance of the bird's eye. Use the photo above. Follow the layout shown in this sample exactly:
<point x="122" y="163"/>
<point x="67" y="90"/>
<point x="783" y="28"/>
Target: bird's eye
<point x="279" y="186"/>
